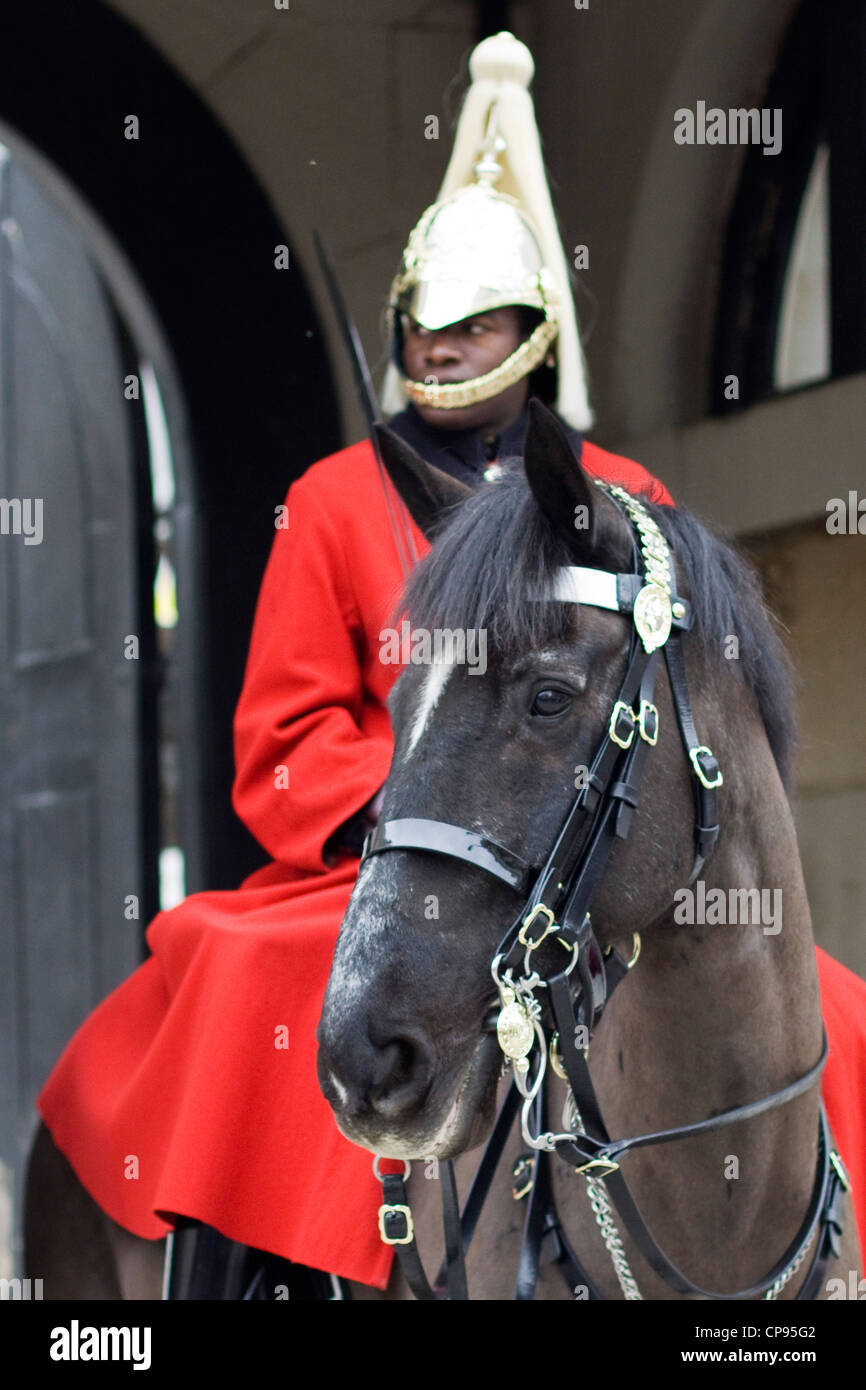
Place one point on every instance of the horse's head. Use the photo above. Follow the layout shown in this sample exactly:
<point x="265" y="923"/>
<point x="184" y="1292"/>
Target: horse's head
<point x="407" y="1056"/>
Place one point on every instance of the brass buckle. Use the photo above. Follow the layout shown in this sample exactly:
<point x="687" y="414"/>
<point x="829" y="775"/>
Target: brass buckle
<point x="522" y="1173"/>
<point x="622" y="707"/>
<point x="699" y="771"/>
<point x="648" y="708"/>
<point x="388" y="1209"/>
<point x="530" y="943"/>
<point x="635" y="952"/>
<point x="556" y="1061"/>
<point x="605" y="1163"/>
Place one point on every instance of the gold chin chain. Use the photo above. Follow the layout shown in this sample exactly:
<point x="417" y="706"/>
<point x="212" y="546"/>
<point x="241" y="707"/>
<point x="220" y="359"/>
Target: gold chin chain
<point x="455" y="394"/>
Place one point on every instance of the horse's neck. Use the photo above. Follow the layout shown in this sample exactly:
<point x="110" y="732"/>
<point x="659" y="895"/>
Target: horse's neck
<point x="714" y="1016"/>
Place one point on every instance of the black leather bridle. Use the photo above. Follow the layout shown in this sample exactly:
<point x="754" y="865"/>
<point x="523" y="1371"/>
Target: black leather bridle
<point x="557" y="898"/>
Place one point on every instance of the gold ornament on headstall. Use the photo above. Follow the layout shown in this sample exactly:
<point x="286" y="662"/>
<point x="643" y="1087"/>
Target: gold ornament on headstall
<point x="652" y="612"/>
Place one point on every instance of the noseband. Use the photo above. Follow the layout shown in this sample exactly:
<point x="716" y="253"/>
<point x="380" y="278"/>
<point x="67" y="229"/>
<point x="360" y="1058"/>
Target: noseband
<point x="557" y="898"/>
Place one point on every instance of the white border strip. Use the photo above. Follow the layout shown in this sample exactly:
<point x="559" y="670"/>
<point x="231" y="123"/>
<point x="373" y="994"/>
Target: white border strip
<point x="574" y="584"/>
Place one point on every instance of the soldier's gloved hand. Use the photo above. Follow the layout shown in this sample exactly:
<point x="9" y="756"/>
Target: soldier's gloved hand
<point x="353" y="832"/>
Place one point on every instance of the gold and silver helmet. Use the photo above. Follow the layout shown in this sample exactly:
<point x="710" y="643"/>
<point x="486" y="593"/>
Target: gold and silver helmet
<point x="491" y="240"/>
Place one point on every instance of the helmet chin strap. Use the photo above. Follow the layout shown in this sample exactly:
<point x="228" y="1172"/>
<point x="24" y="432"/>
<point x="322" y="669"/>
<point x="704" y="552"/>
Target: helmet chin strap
<point x="454" y="395"/>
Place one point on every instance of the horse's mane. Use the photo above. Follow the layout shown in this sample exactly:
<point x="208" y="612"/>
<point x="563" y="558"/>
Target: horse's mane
<point x="498" y="547"/>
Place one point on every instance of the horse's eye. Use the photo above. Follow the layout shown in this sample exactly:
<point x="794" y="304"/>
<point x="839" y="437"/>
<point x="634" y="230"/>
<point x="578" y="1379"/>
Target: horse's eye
<point x="550" y="701"/>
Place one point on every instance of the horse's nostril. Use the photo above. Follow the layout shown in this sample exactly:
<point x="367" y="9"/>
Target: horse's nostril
<point x="394" y="1065"/>
<point x="403" y="1076"/>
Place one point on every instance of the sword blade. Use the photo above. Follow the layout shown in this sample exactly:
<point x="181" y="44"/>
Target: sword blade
<point x="366" y="393"/>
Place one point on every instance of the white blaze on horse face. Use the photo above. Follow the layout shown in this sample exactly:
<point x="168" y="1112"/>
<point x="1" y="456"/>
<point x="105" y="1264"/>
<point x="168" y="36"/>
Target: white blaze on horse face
<point x="431" y="690"/>
<point x="348" y="980"/>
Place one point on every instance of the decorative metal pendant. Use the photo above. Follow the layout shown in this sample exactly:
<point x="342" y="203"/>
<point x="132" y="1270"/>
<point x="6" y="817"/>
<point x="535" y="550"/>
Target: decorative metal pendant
<point x="652" y="607"/>
<point x="652" y="616"/>
<point x="514" y="1027"/>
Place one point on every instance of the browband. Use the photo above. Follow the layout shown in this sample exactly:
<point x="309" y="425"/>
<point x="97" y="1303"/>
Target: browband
<point x="603" y="589"/>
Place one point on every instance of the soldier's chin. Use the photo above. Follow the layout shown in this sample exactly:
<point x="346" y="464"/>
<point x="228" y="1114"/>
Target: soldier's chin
<point x="465" y="1122"/>
<point x="464" y="417"/>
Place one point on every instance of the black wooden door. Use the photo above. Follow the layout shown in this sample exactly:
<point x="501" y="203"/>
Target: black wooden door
<point x="70" y="747"/>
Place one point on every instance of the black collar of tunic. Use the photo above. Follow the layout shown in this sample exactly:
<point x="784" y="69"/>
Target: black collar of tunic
<point x="464" y="454"/>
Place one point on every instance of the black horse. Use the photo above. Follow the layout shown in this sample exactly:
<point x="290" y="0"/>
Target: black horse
<point x="717" y="1013"/>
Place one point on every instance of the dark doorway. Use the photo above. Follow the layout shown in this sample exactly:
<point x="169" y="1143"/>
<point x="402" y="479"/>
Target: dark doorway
<point x="192" y="220"/>
<point x="138" y="298"/>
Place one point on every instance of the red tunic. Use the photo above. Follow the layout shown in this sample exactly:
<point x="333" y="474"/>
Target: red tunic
<point x="201" y="1065"/>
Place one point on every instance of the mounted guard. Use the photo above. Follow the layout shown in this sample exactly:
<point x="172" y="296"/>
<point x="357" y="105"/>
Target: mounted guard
<point x="490" y="241"/>
<point x="202" y="1065"/>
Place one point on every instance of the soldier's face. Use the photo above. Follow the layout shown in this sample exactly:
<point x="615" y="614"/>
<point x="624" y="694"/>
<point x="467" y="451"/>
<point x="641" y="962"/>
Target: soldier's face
<point x="461" y="352"/>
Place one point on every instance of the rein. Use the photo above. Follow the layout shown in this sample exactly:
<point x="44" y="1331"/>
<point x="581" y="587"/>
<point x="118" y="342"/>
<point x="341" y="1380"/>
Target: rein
<point x="557" y="897"/>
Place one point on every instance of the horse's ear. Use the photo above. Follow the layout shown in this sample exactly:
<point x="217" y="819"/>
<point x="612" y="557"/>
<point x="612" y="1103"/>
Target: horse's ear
<point x="426" y="490"/>
<point x="558" y="483"/>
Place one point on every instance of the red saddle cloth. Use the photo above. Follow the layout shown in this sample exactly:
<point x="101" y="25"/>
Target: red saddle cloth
<point x="192" y="1088"/>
